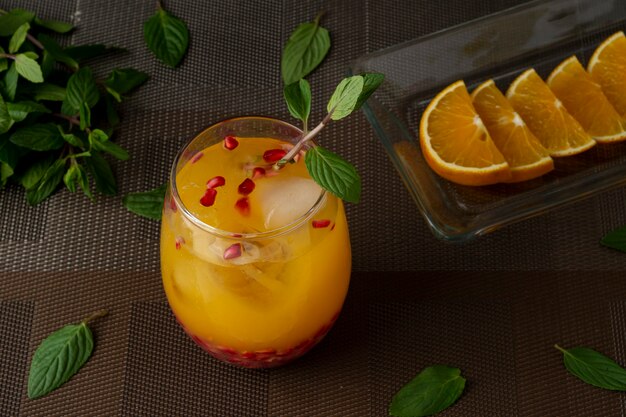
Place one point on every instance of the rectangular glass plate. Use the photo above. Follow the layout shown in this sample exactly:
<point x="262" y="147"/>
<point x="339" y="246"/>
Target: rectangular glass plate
<point x="538" y="34"/>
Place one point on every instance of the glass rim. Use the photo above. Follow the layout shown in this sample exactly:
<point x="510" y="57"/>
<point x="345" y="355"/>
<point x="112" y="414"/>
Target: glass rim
<point x="296" y="223"/>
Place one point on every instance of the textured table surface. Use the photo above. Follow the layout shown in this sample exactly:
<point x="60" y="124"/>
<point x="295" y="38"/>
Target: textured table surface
<point x="453" y="304"/>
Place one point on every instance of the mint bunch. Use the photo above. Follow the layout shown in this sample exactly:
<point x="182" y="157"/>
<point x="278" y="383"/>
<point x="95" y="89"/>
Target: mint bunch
<point x="57" y="119"/>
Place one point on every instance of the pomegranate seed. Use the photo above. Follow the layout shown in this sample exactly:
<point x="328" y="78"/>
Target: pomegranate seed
<point x="320" y="224"/>
<point x="246" y="187"/>
<point x="233" y="251"/>
<point x="243" y="205"/>
<point x="196" y="157"/>
<point x="215" y="182"/>
<point x="230" y="143"/>
<point x="208" y="198"/>
<point x="179" y="242"/>
<point x="258" y="172"/>
<point x="274" y="155"/>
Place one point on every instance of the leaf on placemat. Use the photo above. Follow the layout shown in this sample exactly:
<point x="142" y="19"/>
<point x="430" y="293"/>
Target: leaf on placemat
<point x="47" y="92"/>
<point x="60" y="356"/>
<point x="14" y="19"/>
<point x="81" y="90"/>
<point x="305" y="50"/>
<point x="371" y="81"/>
<point x="10" y="82"/>
<point x="35" y="172"/>
<point x="100" y="142"/>
<point x="430" y="392"/>
<point x="333" y="173"/>
<point x="298" y="98"/>
<point x="84" y="52"/>
<point x="54" y="25"/>
<point x="345" y="97"/>
<point x="18" y="38"/>
<point x="6" y="121"/>
<point x="18" y="111"/>
<point x="48" y="183"/>
<point x="56" y="51"/>
<point x="615" y="239"/>
<point x="102" y="174"/>
<point x="594" y="368"/>
<point x="124" y="80"/>
<point x="167" y="37"/>
<point x="147" y="204"/>
<point x="38" y="137"/>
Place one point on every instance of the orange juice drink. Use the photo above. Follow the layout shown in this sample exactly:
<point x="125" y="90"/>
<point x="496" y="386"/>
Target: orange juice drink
<point x="255" y="262"/>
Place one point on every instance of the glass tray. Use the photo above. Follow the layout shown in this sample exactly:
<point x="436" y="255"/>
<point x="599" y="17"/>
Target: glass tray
<point x="538" y="34"/>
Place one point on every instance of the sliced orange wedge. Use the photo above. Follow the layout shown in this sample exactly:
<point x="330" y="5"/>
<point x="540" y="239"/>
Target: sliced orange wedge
<point x="526" y="157"/>
<point x="546" y="116"/>
<point x="455" y="142"/>
<point x="607" y="67"/>
<point x="583" y="99"/>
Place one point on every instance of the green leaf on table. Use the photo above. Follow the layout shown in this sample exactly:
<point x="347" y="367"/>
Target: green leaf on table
<point x="615" y="239"/>
<point x="298" y="98"/>
<point x="12" y="20"/>
<point x="102" y="174"/>
<point x="146" y="204"/>
<point x="10" y="82"/>
<point x="76" y="175"/>
<point x="9" y="153"/>
<point x="594" y="368"/>
<point x="344" y="99"/>
<point x="305" y="50"/>
<point x="371" y="81"/>
<point x="167" y="37"/>
<point x="84" y="113"/>
<point x="28" y="68"/>
<point x="81" y="90"/>
<point x="6" y="171"/>
<point x="56" y="51"/>
<point x="47" y="92"/>
<point x="430" y="392"/>
<point x="58" y="358"/>
<point x="54" y="25"/>
<point x="35" y="172"/>
<point x="333" y="173"/>
<point x="71" y="138"/>
<point x="47" y="64"/>
<point x="48" y="183"/>
<point x="100" y="142"/>
<point x="6" y="121"/>
<point x="18" y="38"/>
<point x="18" y="111"/>
<point x="124" y="80"/>
<point x="38" y="137"/>
<point x="4" y="63"/>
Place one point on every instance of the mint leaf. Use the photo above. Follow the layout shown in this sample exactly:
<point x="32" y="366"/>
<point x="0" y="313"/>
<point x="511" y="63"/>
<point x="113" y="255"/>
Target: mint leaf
<point x="4" y="64"/>
<point x="84" y="52"/>
<point x="594" y="368"/>
<point x="18" y="38"/>
<point x="148" y="204"/>
<point x="125" y="80"/>
<point x="18" y="111"/>
<point x="47" y="92"/>
<point x="371" y="81"/>
<point x="71" y="139"/>
<point x="56" y="51"/>
<point x="28" y="68"/>
<point x="48" y="183"/>
<point x="81" y="90"/>
<point x="38" y="137"/>
<point x="76" y="175"/>
<point x="6" y="171"/>
<point x="167" y="37"/>
<point x="615" y="239"/>
<point x="54" y="25"/>
<point x="100" y="142"/>
<point x="333" y="173"/>
<point x="58" y="358"/>
<point x="345" y="97"/>
<point x="305" y="50"/>
<point x="102" y="174"/>
<point x="298" y="98"/>
<point x="430" y="392"/>
<point x="112" y="117"/>
<point x="6" y="121"/>
<point x="10" y="82"/>
<point x="35" y="172"/>
<point x="14" y="19"/>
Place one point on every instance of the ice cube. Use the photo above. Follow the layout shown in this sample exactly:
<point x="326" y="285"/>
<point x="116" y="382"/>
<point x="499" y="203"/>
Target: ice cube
<point x="283" y="200"/>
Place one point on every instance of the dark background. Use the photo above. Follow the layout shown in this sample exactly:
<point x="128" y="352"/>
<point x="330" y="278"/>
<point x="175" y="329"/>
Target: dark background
<point x="451" y="304"/>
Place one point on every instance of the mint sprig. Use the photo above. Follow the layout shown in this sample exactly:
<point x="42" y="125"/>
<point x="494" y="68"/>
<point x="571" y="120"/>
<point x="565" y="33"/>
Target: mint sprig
<point x="306" y="48"/>
<point x="329" y="170"/>
<point x="594" y="368"/>
<point x="60" y="356"/>
<point x="147" y="204"/>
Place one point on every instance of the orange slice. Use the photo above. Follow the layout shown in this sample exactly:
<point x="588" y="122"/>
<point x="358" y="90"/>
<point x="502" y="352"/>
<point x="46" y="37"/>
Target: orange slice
<point x="607" y="67"/>
<point x="525" y="155"/>
<point x="455" y="142"/>
<point x="546" y="116"/>
<point x="583" y="99"/>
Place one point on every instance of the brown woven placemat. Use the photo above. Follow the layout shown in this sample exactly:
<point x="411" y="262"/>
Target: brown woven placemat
<point x="69" y="257"/>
